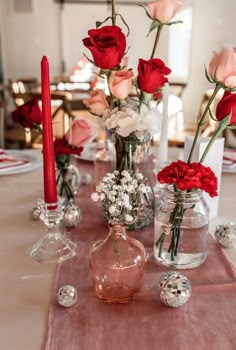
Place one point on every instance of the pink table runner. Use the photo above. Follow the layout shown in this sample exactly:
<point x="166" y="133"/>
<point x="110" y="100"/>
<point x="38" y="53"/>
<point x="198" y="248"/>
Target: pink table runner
<point x="206" y="322"/>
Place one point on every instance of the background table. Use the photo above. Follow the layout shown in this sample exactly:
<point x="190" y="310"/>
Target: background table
<point x="25" y="284"/>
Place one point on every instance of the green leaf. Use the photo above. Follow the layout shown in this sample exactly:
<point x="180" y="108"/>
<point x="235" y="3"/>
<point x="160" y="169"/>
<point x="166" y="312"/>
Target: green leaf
<point x="91" y="61"/>
<point x="127" y="50"/>
<point x="98" y="24"/>
<point x="226" y="120"/>
<point x="175" y="22"/>
<point x="153" y="26"/>
<point x="146" y="11"/>
<point x="211" y="115"/>
<point x="230" y="88"/>
<point x="122" y="18"/>
<point x="207" y="76"/>
<point x="233" y="126"/>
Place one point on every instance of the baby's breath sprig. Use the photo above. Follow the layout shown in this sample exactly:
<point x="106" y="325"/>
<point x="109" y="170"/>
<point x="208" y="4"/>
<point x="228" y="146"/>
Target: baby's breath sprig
<point x="118" y="194"/>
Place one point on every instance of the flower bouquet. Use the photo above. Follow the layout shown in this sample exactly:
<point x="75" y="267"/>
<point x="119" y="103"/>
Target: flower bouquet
<point x="129" y="112"/>
<point x="181" y="224"/>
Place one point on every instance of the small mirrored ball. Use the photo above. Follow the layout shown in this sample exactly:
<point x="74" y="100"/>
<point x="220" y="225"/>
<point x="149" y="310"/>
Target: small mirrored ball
<point x="72" y="215"/>
<point x="226" y="234"/>
<point x="174" y="288"/>
<point x="35" y="213"/>
<point x="67" y="295"/>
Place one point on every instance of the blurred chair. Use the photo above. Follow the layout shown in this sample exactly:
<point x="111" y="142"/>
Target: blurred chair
<point x="210" y="125"/>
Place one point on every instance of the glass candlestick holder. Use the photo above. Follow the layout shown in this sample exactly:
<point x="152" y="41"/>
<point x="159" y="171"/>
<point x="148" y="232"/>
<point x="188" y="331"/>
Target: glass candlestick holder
<point x="54" y="245"/>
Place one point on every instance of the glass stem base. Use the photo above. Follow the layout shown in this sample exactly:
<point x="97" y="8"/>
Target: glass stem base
<point x="54" y="247"/>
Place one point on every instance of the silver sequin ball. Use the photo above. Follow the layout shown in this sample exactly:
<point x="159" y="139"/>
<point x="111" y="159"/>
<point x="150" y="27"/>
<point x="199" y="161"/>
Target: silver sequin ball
<point x="226" y="234"/>
<point x="67" y="295"/>
<point x="174" y="288"/>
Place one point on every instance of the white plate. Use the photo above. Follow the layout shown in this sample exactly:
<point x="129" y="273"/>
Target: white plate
<point x="33" y="158"/>
<point x="229" y="169"/>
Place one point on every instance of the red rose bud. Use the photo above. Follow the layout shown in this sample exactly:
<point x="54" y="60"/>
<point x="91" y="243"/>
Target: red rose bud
<point x="107" y="45"/>
<point x="227" y="106"/>
<point x="151" y="75"/>
<point x="28" y="114"/>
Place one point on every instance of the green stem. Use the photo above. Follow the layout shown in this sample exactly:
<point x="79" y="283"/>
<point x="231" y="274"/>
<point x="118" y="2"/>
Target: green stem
<point x="218" y="131"/>
<point x="37" y="127"/>
<point x="158" y="33"/>
<point x="202" y="119"/>
<point x="113" y="11"/>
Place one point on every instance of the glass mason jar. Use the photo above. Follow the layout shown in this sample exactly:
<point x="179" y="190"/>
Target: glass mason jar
<point x="132" y="155"/>
<point x="181" y="228"/>
<point x="117" y="266"/>
<point x="67" y="181"/>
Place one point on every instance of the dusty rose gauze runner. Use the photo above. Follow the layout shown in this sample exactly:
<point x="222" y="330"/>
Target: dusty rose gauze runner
<point x="206" y="322"/>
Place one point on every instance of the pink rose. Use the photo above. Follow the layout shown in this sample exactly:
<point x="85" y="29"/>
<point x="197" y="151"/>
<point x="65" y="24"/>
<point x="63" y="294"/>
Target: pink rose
<point x="81" y="131"/>
<point x="222" y="67"/>
<point x="164" y="10"/>
<point x="97" y="102"/>
<point x="120" y="83"/>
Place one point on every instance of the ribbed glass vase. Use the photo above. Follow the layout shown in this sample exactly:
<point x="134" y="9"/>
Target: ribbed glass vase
<point x="132" y="155"/>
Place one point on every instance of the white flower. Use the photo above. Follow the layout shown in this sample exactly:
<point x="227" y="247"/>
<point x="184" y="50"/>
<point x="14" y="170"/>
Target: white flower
<point x="112" y="209"/>
<point x="125" y="173"/>
<point x="95" y="196"/>
<point x="118" y="194"/>
<point x="139" y="176"/>
<point x="129" y="218"/>
<point x="102" y="196"/>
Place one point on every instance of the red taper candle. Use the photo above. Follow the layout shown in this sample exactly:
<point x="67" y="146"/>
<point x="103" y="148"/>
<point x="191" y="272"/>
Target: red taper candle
<point x="50" y="190"/>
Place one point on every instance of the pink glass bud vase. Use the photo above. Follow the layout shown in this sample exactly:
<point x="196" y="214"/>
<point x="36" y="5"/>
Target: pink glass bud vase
<point x="117" y="265"/>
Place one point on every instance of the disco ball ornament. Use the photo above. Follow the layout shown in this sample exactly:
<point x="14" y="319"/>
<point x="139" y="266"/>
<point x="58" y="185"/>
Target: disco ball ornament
<point x="226" y="234"/>
<point x="67" y="295"/>
<point x="72" y="215"/>
<point x="35" y="213"/>
<point x="174" y="288"/>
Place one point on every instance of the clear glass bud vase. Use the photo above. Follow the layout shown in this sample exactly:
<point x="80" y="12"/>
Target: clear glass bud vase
<point x="117" y="266"/>
<point x="181" y="228"/>
<point x="67" y="181"/>
<point x="132" y="155"/>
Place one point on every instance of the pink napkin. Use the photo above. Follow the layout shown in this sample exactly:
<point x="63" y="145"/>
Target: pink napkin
<point x="10" y="163"/>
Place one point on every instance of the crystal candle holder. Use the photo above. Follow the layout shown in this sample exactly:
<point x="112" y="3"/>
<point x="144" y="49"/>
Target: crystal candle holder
<point x="54" y="245"/>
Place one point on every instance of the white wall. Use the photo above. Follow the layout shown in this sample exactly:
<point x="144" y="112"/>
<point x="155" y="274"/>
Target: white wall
<point x="27" y="37"/>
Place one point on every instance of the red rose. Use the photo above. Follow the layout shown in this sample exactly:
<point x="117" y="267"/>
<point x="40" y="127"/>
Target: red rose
<point x="226" y="106"/>
<point x="28" y="114"/>
<point x="151" y="75"/>
<point x="107" y="45"/>
<point x="62" y="147"/>
<point x="189" y="176"/>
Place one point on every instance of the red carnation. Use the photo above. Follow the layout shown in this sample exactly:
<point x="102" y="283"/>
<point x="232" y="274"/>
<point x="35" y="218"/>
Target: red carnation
<point x="189" y="176"/>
